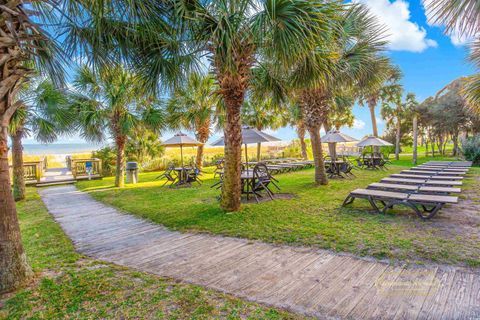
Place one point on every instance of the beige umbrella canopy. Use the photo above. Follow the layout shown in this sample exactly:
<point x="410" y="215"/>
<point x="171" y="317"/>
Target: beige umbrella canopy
<point x="373" y="141"/>
<point x="334" y="136"/>
<point x="337" y="137"/>
<point x="249" y="135"/>
<point x="181" y="140"/>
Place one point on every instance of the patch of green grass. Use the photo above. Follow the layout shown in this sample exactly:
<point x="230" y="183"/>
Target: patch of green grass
<point x="70" y="286"/>
<point x="313" y="218"/>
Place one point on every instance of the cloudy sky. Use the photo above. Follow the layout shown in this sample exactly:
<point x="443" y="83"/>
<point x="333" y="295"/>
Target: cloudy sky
<point x="429" y="59"/>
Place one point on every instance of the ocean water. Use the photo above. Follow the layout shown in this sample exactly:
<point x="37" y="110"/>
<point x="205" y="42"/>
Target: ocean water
<point x="59" y="148"/>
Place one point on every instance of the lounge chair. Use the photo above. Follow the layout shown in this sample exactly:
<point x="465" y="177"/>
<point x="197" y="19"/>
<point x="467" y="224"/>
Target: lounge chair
<point x="426" y="182"/>
<point x="424" y="205"/>
<point x="413" y="188"/>
<point x="413" y="176"/>
<point x="443" y="177"/>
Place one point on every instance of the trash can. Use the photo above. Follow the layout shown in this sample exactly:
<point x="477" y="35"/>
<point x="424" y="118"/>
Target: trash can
<point x="132" y="172"/>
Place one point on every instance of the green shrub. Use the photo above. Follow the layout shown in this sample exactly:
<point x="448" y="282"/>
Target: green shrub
<point x="109" y="158"/>
<point x="471" y="149"/>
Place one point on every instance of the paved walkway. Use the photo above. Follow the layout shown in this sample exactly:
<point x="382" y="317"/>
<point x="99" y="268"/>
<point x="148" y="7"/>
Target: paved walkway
<point x="307" y="281"/>
<point x="56" y="175"/>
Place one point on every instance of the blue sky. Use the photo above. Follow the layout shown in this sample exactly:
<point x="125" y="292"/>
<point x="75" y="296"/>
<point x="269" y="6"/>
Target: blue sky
<point x="429" y="59"/>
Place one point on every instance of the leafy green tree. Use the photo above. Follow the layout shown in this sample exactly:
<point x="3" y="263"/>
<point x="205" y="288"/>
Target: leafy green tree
<point x="43" y="113"/>
<point x="392" y="111"/>
<point x="195" y="106"/>
<point x="113" y="101"/>
<point x="143" y="145"/>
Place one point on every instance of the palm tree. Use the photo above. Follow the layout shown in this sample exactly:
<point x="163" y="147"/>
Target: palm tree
<point x="194" y="107"/>
<point x="236" y="35"/>
<point x="43" y="113"/>
<point x="21" y="43"/>
<point x="114" y="101"/>
<point x="295" y="119"/>
<point x="261" y="114"/>
<point x="340" y="63"/>
<point x="392" y="111"/>
<point x="385" y="75"/>
<point x="84" y="31"/>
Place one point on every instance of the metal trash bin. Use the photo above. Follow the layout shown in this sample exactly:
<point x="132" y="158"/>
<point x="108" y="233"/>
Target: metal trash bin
<point x="132" y="172"/>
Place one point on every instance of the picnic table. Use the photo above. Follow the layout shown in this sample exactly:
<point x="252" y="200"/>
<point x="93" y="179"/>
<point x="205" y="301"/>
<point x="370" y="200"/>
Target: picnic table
<point x="333" y="166"/>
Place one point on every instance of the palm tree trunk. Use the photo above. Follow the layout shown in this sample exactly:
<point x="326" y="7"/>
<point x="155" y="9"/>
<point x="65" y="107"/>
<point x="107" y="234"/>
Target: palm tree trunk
<point x="415" y="138"/>
<point x="372" y="103"/>
<point x="314" y="108"/>
<point x="332" y="147"/>
<point x="18" y="172"/>
<point x="13" y="261"/>
<point x="202" y="135"/>
<point x="14" y="269"/>
<point x="397" y="141"/>
<point x="320" y="174"/>
<point x="231" y="188"/>
<point x="199" y="159"/>
<point x="301" y="137"/>
<point x="455" y="143"/>
<point x="120" y="141"/>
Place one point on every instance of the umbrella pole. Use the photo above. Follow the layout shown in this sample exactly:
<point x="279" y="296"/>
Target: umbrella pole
<point x="181" y="157"/>
<point x="246" y="156"/>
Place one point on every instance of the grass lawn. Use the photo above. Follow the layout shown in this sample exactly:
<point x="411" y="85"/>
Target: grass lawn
<point x="314" y="217"/>
<point x="70" y="286"/>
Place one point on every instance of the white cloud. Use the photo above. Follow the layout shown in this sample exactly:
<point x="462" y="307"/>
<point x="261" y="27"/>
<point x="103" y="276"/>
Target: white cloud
<point x="403" y="34"/>
<point x="358" y="124"/>
<point x="380" y="120"/>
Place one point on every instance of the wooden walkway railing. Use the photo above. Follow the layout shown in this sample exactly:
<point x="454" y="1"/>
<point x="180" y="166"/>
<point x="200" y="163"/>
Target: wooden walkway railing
<point x="82" y="168"/>
<point x="33" y="170"/>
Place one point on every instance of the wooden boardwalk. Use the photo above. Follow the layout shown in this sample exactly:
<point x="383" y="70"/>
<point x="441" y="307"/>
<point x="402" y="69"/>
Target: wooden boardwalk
<point x="307" y="281"/>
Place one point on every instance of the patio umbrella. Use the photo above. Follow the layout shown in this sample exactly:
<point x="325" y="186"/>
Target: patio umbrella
<point x="335" y="136"/>
<point x="373" y="142"/>
<point x="181" y="140"/>
<point x="249" y="135"/>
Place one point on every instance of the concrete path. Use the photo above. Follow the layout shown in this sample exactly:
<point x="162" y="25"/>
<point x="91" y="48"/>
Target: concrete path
<point x="56" y="175"/>
<point x="312" y="282"/>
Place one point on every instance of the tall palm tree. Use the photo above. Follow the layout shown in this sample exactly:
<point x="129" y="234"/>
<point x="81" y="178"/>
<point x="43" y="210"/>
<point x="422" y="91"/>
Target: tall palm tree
<point x="295" y="119"/>
<point x="195" y="106"/>
<point x="84" y="31"/>
<point x="339" y="63"/>
<point x="392" y="111"/>
<point x="373" y="88"/>
<point x="21" y="42"/>
<point x="44" y="113"/>
<point x="113" y="101"/>
<point x="262" y="114"/>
